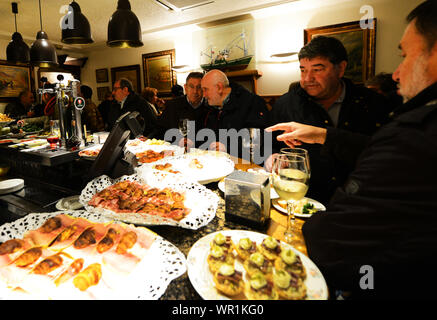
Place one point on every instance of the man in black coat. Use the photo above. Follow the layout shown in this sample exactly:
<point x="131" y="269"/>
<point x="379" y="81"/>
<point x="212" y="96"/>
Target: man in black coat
<point x="378" y="237"/>
<point x="231" y="106"/>
<point x="129" y="102"/>
<point x="324" y="98"/>
<point x="22" y="107"/>
<point x="190" y="106"/>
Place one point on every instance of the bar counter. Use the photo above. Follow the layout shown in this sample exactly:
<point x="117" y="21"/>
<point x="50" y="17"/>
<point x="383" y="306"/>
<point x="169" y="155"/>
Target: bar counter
<point x="42" y="197"/>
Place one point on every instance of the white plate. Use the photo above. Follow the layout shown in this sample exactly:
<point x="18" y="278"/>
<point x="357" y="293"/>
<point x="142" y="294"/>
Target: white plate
<point x="69" y="203"/>
<point x="11" y="185"/>
<point x="149" y="281"/>
<point x="273" y="194"/>
<point x="317" y="205"/>
<point x="214" y="167"/>
<point x="200" y="200"/>
<point x="93" y="148"/>
<point x="202" y="279"/>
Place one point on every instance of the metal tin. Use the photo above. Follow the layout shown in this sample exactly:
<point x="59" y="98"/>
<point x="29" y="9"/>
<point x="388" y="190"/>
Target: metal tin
<point x="247" y="198"/>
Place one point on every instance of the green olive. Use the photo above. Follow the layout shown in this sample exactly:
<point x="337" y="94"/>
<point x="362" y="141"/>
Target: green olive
<point x="257" y="281"/>
<point x="219" y="239"/>
<point x="245" y="243"/>
<point x="270" y="243"/>
<point x="288" y="256"/>
<point x="226" y="269"/>
<point x="257" y="258"/>
<point x="281" y="279"/>
<point x="217" y="251"/>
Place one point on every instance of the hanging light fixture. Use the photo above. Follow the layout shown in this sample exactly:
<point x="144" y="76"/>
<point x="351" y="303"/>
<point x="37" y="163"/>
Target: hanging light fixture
<point x="75" y="26"/>
<point x="42" y="52"/>
<point x="124" y="30"/>
<point x="17" y="50"/>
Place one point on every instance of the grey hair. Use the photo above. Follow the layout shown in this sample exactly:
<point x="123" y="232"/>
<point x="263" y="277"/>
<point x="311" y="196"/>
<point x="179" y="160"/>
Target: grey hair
<point x="219" y="77"/>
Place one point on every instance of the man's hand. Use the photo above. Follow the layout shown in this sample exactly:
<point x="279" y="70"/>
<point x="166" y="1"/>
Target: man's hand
<point x="297" y="133"/>
<point x="217" y="146"/>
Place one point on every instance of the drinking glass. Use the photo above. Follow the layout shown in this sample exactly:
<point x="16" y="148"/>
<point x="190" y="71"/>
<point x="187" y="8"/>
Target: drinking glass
<point x="300" y="152"/>
<point x="290" y="180"/>
<point x="54" y="135"/>
<point x="183" y="127"/>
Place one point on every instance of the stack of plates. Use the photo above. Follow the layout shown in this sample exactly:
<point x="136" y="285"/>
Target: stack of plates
<point x="11" y="185"/>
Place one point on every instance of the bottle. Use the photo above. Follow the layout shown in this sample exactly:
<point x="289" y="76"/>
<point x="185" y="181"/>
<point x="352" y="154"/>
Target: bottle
<point x="73" y="142"/>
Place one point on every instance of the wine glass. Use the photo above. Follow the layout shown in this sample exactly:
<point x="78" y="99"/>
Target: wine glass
<point x="183" y="129"/>
<point x="54" y="135"/>
<point x="301" y="152"/>
<point x="290" y="180"/>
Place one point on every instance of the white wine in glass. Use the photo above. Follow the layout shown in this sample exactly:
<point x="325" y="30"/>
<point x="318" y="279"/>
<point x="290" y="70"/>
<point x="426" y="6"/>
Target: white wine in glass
<point x="290" y="179"/>
<point x="300" y="152"/>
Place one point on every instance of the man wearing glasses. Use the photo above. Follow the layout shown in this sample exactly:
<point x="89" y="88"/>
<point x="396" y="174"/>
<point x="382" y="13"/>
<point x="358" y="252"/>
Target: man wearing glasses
<point x="129" y="101"/>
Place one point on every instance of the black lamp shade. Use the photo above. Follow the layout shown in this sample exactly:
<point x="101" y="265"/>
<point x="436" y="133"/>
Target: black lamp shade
<point x="76" y="28"/>
<point x="17" y="50"/>
<point x="124" y="30"/>
<point x="42" y="52"/>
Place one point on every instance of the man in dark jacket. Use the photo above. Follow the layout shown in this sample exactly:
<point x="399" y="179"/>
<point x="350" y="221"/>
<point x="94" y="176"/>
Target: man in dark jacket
<point x="378" y="237"/>
<point x="129" y="102"/>
<point x="231" y="106"/>
<point x="190" y="106"/>
<point x="324" y="98"/>
<point x="21" y="108"/>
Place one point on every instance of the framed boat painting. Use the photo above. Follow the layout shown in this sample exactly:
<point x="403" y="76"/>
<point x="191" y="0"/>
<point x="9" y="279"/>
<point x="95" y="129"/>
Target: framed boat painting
<point x="359" y="43"/>
<point x="158" y="73"/>
<point x="131" y="73"/>
<point x="14" y="78"/>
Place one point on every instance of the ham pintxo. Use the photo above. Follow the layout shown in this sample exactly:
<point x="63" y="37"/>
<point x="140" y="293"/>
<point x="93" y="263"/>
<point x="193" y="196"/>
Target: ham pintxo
<point x="73" y="258"/>
<point x="131" y="197"/>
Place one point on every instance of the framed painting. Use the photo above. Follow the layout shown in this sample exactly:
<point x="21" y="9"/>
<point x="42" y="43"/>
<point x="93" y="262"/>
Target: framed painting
<point x="359" y="43"/>
<point x="102" y="75"/>
<point x="131" y="73"/>
<point x="14" y="78"/>
<point x="102" y="91"/>
<point x="158" y="73"/>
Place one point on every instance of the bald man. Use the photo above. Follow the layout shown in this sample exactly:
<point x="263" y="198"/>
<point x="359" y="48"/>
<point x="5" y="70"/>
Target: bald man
<point x="231" y="106"/>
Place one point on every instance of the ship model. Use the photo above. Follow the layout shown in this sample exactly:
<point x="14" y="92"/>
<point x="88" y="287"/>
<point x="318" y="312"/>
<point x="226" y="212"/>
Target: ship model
<point x="220" y="60"/>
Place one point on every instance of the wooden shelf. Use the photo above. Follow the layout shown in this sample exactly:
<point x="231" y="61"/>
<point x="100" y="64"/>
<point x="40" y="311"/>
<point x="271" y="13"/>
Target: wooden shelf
<point x="247" y="78"/>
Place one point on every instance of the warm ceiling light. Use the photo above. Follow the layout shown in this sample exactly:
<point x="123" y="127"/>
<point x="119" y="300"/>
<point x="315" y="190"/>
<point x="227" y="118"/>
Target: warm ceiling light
<point x="42" y="52"/>
<point x="75" y="26"/>
<point x="124" y="29"/>
<point x="283" y="55"/>
<point x="17" y="50"/>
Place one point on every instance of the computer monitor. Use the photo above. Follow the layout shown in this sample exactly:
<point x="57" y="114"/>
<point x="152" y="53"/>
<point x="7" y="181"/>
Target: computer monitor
<point x="111" y="160"/>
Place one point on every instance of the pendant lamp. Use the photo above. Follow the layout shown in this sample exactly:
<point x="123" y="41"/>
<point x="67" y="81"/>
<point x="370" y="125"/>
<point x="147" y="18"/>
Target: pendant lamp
<point x="17" y="50"/>
<point x="124" y="30"/>
<point x="42" y="52"/>
<point x="75" y="26"/>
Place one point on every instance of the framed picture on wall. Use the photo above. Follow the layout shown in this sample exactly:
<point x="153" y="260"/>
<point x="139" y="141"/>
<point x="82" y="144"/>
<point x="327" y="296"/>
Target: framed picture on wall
<point x="131" y="73"/>
<point x="14" y="78"/>
<point x="102" y="75"/>
<point x="359" y="44"/>
<point x="102" y="91"/>
<point x="158" y="73"/>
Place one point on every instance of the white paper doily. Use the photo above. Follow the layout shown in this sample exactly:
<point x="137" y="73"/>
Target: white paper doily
<point x="151" y="279"/>
<point x="202" y="202"/>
